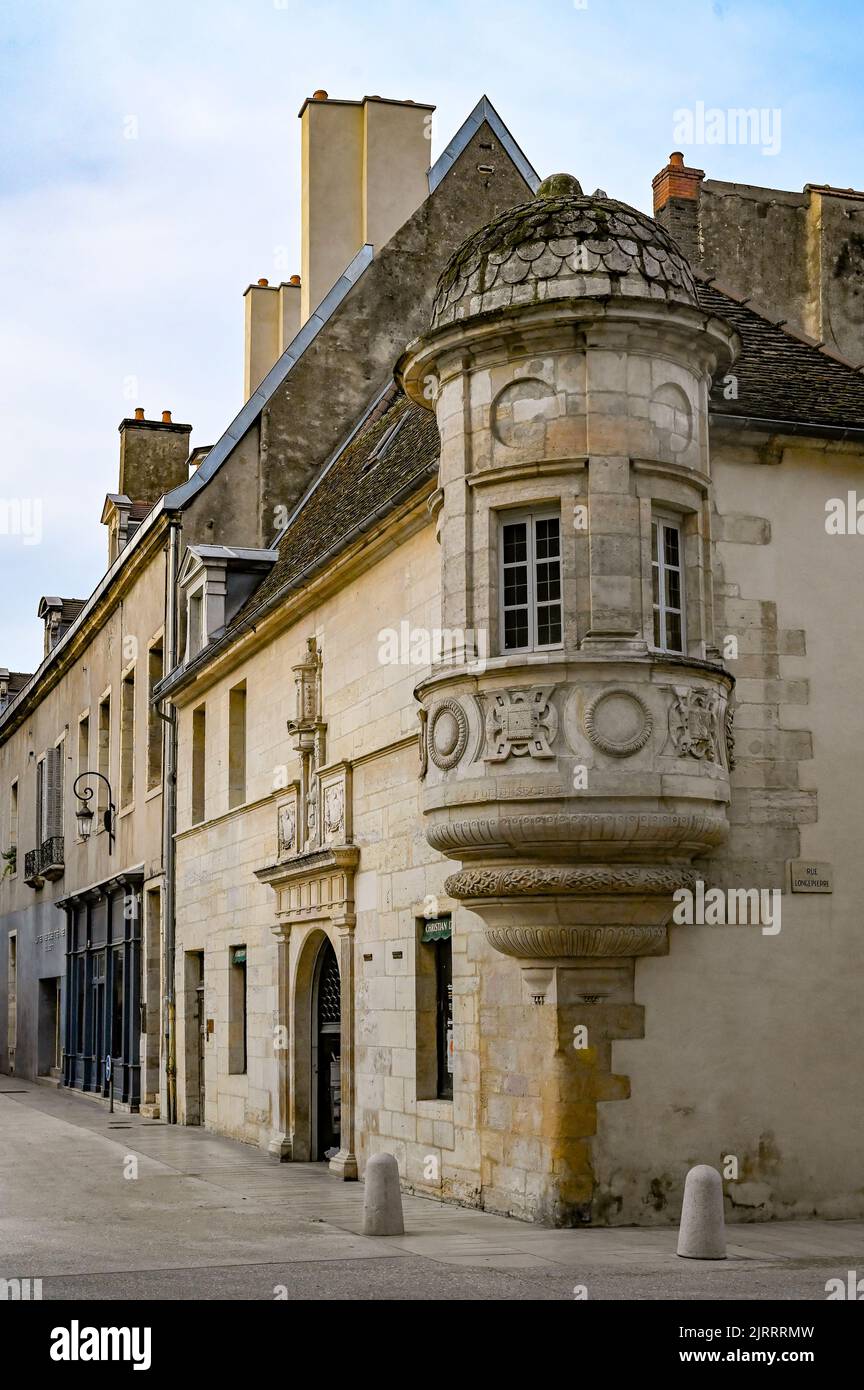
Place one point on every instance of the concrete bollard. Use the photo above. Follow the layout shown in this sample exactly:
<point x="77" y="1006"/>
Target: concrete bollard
<point x="382" y="1199"/>
<point x="702" y="1235"/>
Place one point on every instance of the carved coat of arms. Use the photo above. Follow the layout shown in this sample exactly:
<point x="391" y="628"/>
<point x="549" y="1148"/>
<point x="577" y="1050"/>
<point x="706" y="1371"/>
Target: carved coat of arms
<point x="694" y="723"/>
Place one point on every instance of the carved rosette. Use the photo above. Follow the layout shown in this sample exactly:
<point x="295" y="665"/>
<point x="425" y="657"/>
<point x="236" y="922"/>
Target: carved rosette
<point x="447" y="734"/>
<point x="618" y="723"/>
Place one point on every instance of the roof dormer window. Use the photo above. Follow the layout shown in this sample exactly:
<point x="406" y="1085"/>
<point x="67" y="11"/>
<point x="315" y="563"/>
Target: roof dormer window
<point x="215" y="581"/>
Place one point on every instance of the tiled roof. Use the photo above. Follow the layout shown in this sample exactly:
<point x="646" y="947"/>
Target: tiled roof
<point x="781" y="375"/>
<point x="396" y="445"/>
<point x="16" y="680"/>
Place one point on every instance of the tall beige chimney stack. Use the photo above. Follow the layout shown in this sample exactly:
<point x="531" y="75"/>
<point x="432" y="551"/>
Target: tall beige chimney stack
<point x="364" y="167"/>
<point x="363" y="173"/>
<point x="272" y="320"/>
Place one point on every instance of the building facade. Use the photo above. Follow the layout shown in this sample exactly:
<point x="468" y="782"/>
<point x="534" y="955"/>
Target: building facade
<point x="513" y="711"/>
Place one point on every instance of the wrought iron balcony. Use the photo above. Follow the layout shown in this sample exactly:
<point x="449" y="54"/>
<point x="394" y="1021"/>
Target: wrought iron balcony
<point x="44" y="863"/>
<point x="51" y="858"/>
<point x="32" y="876"/>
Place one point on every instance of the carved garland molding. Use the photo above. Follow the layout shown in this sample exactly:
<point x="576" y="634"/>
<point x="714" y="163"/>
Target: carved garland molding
<point x="590" y="879"/>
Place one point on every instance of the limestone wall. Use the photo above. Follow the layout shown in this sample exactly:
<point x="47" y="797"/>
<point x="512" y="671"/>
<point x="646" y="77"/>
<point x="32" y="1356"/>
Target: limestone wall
<point x="753" y="1042"/>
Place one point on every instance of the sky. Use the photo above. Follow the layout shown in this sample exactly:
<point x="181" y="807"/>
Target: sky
<point x="150" y="170"/>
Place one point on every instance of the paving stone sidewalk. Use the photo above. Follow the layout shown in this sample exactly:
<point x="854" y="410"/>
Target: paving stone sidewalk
<point x="208" y="1218"/>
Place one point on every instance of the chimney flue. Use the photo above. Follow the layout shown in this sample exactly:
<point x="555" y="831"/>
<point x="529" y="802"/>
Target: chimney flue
<point x="139" y="412"/>
<point x="676" y="203"/>
<point x="364" y="167"/>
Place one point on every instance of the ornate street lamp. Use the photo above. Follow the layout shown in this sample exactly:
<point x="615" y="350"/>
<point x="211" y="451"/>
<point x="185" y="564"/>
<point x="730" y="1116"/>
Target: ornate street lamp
<point x="84" y="813"/>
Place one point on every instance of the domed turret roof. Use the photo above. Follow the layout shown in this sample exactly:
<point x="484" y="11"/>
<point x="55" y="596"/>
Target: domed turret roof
<point x="562" y="245"/>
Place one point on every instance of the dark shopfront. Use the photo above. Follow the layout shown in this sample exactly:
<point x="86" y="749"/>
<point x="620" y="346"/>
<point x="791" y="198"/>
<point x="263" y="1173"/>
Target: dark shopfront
<point x="103" y="987"/>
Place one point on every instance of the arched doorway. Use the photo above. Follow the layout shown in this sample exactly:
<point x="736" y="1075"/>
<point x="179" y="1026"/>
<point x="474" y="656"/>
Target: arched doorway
<point x="326" y="1079"/>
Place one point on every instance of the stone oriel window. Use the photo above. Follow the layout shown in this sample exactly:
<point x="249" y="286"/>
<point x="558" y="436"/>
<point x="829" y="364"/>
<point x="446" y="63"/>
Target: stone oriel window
<point x="530" y="580"/>
<point x="667" y="580"/>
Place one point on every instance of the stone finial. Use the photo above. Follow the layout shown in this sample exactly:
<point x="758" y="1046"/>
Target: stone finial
<point x="702" y="1235"/>
<point x="560" y="186"/>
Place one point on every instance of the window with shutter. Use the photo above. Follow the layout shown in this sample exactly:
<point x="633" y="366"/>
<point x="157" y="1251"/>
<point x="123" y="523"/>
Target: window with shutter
<point x="53" y="792"/>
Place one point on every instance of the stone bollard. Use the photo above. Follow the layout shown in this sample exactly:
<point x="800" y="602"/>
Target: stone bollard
<point x="382" y="1199"/>
<point x="702" y="1235"/>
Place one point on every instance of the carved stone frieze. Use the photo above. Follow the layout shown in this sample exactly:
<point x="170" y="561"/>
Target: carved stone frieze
<point x="520" y="722"/>
<point x="608" y="833"/>
<point x="582" y="879"/>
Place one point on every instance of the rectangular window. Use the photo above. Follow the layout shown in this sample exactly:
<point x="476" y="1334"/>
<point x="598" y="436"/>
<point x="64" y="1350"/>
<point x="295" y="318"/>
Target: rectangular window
<point x="530" y="576"/>
<point x="127" y="738"/>
<point x="199" y="751"/>
<point x="237" y="745"/>
<point x="40" y="802"/>
<point x="84" y="745"/>
<point x="103" y="757"/>
<point x="667" y="579"/>
<point x="55" y="764"/>
<point x="13" y="818"/>
<point x="237" y="1010"/>
<point x="196" y="622"/>
<point x="155" y="668"/>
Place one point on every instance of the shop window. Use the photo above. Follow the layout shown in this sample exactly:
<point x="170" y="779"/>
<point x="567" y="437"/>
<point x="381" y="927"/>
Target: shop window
<point x="434" y="1011"/>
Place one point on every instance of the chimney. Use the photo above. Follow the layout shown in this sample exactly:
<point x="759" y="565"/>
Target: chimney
<point x="676" y="204"/>
<point x="363" y="173"/>
<point x="153" y="460"/>
<point x="153" y="456"/>
<point x="272" y="321"/>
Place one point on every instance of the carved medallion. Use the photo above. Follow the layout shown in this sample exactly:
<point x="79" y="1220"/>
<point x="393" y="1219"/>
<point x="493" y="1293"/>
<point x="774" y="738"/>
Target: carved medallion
<point x="694" y="723"/>
<point x="617" y="722"/>
<point x="520" y="722"/>
<point x="447" y="734"/>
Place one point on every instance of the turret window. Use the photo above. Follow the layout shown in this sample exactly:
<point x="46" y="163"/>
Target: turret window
<point x="530" y="581"/>
<point x="667" y="578"/>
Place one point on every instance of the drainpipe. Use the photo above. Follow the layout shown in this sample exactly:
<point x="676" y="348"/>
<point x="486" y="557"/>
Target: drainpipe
<point x="168" y="714"/>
